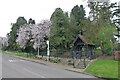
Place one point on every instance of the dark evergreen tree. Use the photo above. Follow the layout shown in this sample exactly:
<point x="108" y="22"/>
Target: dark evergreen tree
<point x="13" y="34"/>
<point x="116" y="21"/>
<point x="59" y="29"/>
<point x="77" y="15"/>
<point x="31" y="21"/>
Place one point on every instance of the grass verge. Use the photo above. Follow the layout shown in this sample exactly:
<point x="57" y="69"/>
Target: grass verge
<point x="17" y="53"/>
<point x="104" y="69"/>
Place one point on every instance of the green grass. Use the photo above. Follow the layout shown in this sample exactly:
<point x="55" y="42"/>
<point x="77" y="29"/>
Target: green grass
<point x="104" y="69"/>
<point x="17" y="53"/>
<point x="0" y="51"/>
<point x="24" y="55"/>
<point x="8" y="52"/>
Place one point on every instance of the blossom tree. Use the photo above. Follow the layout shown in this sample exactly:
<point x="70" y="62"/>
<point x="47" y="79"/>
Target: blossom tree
<point x="35" y="33"/>
<point x="3" y="42"/>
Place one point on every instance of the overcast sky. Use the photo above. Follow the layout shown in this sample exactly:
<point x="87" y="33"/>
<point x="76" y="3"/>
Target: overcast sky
<point x="38" y="10"/>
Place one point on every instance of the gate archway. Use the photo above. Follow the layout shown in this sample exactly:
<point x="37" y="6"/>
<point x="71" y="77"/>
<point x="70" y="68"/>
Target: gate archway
<point x="83" y="51"/>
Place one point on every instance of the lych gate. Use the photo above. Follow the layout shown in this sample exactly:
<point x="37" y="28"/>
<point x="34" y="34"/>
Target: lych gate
<point x="83" y="50"/>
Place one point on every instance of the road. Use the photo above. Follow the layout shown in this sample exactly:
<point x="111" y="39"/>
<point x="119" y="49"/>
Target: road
<point x="13" y="67"/>
<point x="0" y="66"/>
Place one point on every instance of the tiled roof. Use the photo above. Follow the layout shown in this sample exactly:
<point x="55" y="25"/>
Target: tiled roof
<point x="84" y="39"/>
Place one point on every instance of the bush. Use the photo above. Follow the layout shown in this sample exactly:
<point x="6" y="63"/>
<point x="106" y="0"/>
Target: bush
<point x="70" y="62"/>
<point x="55" y="60"/>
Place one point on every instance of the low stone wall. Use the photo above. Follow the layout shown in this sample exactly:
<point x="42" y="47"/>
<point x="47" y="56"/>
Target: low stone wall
<point x="117" y="55"/>
<point x="66" y="61"/>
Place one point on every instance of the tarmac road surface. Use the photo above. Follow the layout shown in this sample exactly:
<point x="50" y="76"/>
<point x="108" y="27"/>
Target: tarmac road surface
<point x="13" y="67"/>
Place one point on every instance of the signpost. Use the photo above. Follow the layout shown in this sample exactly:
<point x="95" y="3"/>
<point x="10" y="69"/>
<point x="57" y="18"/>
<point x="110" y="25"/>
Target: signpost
<point x="48" y="51"/>
<point x="38" y="46"/>
<point x="38" y="51"/>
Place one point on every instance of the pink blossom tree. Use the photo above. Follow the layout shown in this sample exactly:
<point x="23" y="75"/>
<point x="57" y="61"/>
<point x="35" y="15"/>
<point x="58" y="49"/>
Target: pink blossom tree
<point x="35" y="33"/>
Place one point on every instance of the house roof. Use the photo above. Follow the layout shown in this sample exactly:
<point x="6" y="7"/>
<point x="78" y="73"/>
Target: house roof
<point x="84" y="39"/>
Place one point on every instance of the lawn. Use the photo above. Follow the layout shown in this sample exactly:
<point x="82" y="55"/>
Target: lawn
<point x="104" y="69"/>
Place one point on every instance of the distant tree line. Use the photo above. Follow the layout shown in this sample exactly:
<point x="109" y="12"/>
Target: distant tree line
<point x="100" y="27"/>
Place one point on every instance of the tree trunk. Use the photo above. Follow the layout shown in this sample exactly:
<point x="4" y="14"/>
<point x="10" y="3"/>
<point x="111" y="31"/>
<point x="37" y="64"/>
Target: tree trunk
<point x="102" y="49"/>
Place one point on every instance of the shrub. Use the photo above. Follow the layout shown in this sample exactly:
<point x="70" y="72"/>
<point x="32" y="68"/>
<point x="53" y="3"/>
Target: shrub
<point x="55" y="60"/>
<point x="70" y="62"/>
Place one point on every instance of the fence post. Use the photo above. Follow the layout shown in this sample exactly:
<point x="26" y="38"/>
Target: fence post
<point x="84" y="62"/>
<point x="74" y="59"/>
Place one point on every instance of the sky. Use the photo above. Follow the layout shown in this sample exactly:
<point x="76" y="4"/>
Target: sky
<point x="38" y="10"/>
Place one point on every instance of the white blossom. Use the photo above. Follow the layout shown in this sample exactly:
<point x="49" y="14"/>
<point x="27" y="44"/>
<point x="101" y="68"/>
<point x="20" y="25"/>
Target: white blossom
<point x="3" y="41"/>
<point x="34" y="33"/>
